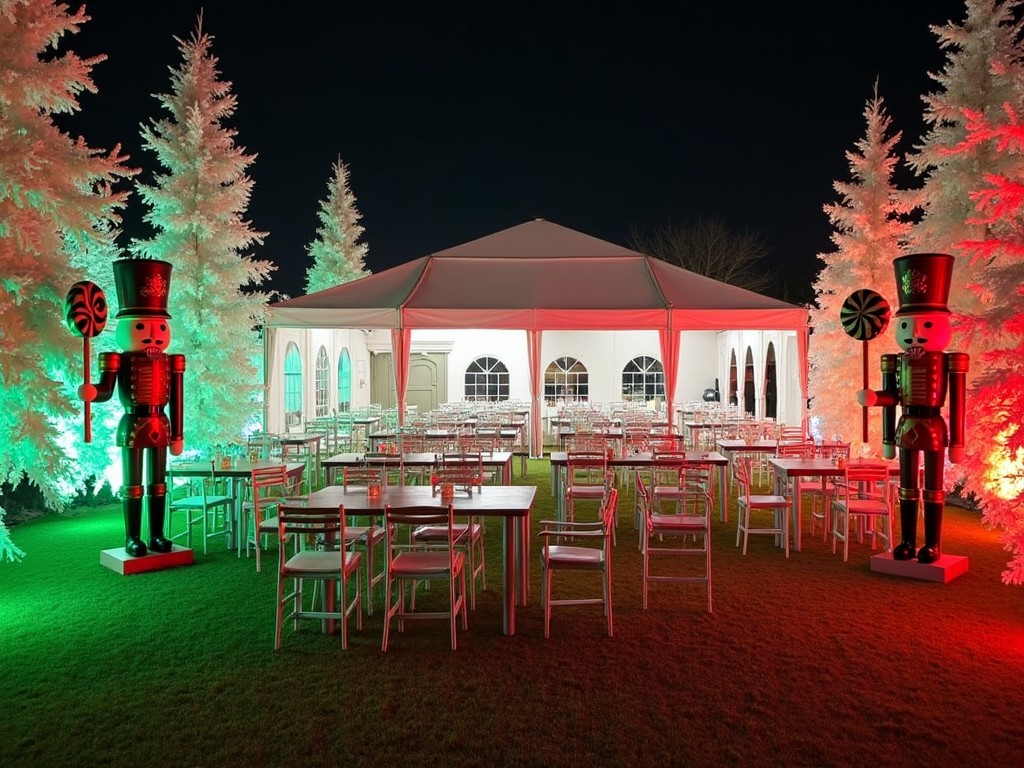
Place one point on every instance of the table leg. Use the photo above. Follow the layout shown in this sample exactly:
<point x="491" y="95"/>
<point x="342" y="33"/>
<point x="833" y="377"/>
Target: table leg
<point x="797" y="512"/>
<point x="509" y="537"/>
<point x="723" y="493"/>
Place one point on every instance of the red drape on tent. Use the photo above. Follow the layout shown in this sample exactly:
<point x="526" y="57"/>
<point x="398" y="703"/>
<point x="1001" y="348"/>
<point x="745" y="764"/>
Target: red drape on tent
<point x="533" y="339"/>
<point x="669" y="338"/>
<point x="400" y="342"/>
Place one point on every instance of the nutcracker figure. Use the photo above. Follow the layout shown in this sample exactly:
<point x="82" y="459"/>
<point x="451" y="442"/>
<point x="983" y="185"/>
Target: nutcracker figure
<point x="147" y="380"/>
<point x="918" y="379"/>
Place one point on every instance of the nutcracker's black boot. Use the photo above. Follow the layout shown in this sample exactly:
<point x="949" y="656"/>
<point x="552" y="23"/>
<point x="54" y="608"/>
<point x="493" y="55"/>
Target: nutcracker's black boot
<point x="932" y="550"/>
<point x="132" y="505"/>
<point x="157" y="509"/>
<point x="906" y="549"/>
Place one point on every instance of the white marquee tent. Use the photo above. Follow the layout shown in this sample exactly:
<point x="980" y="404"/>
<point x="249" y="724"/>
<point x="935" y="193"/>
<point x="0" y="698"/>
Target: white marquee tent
<point x="539" y="276"/>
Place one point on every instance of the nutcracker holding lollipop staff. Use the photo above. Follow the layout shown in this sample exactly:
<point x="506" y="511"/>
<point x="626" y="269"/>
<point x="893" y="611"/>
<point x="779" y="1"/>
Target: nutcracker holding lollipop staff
<point x="147" y="380"/>
<point x="918" y="379"/>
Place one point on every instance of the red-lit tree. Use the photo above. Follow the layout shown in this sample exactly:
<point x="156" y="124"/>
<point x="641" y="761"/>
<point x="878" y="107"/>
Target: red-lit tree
<point x="970" y="163"/>
<point x="56" y="193"/>
<point x="871" y="226"/>
<point x="982" y="73"/>
<point x="994" y="469"/>
<point x="338" y="256"/>
<point x="197" y="209"/>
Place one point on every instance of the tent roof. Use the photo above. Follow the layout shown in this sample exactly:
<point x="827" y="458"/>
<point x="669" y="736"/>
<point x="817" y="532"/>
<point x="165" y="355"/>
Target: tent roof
<point x="537" y="276"/>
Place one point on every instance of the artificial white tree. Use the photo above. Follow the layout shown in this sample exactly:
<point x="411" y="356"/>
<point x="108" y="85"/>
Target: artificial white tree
<point x="197" y="208"/>
<point x="994" y="469"/>
<point x="338" y="256"/>
<point x="871" y="223"/>
<point x="970" y="163"/>
<point x="56" y="194"/>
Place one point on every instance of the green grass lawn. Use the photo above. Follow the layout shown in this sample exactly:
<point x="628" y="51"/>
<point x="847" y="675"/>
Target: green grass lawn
<point x="808" y="661"/>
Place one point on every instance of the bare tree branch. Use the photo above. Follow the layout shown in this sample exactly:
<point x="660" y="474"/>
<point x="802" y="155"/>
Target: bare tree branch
<point x="707" y="247"/>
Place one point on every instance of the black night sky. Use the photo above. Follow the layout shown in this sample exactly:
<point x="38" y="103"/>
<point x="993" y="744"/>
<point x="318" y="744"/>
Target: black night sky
<point x="458" y="120"/>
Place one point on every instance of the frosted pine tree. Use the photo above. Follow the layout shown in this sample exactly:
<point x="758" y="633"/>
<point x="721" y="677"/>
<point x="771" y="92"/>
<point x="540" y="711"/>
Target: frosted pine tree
<point x="971" y="158"/>
<point x="982" y="72"/>
<point x="54" y="190"/>
<point x="994" y="469"/>
<point x="871" y="226"/>
<point x="338" y="256"/>
<point x="197" y="209"/>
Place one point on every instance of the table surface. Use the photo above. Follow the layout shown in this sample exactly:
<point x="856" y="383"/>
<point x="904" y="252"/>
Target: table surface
<point x="646" y="458"/>
<point x="426" y="458"/>
<point x="820" y="467"/>
<point x="239" y="468"/>
<point x="301" y="437"/>
<point x="491" y="500"/>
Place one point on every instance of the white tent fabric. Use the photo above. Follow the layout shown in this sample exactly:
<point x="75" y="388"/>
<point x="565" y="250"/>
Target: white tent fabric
<point x="539" y="276"/>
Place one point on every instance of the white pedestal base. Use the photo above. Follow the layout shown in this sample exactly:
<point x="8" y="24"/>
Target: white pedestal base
<point x="121" y="562"/>
<point x="943" y="570"/>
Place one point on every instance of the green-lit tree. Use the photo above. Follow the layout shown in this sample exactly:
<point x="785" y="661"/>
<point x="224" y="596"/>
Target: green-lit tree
<point x="338" y="256"/>
<point x="56" y="196"/>
<point x="871" y="225"/>
<point x="196" y="208"/>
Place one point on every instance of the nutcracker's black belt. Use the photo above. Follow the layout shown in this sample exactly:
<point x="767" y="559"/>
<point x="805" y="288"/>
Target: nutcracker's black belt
<point x="146" y="410"/>
<point x="920" y="411"/>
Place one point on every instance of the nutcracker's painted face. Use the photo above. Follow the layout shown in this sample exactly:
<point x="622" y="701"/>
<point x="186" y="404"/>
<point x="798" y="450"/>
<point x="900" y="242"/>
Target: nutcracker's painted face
<point x="135" y="334"/>
<point x="928" y="331"/>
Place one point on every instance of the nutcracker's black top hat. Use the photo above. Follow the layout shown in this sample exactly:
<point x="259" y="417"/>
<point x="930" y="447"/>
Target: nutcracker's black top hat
<point x="922" y="282"/>
<point x="142" y="287"/>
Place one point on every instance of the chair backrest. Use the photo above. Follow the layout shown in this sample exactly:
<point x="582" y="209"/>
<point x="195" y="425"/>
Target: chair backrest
<point x="414" y="516"/>
<point x="867" y="479"/>
<point x="587" y="467"/>
<point x="274" y="481"/>
<point x="741" y="471"/>
<point x="299" y="524"/>
<point x="362" y="476"/>
<point x="463" y="470"/>
<point x="794" y="450"/>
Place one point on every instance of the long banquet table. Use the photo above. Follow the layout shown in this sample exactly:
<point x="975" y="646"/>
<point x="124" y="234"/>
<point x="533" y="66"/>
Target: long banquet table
<point x="512" y="503"/>
<point x="237" y="474"/>
<point x="797" y="470"/>
<point x="646" y="460"/>
<point x="498" y="460"/>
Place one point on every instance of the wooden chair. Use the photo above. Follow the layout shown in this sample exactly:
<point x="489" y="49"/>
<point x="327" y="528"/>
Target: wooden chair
<point x="465" y="472"/>
<point x="269" y="487"/>
<point x="318" y="554"/>
<point x="409" y="564"/>
<point x="684" y="535"/>
<point x="557" y="556"/>
<point x="751" y="504"/>
<point x="206" y="502"/>
<point x="866" y="495"/>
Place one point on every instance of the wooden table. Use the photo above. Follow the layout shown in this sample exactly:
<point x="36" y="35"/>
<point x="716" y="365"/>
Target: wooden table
<point x="311" y="440"/>
<point x="797" y="470"/>
<point x="498" y="460"/>
<point x="512" y="503"/>
<point x="237" y="474"/>
<point x="646" y="459"/>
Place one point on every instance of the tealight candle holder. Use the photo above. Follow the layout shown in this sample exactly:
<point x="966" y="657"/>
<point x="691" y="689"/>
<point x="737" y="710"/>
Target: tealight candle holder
<point x="373" y="491"/>
<point x="447" y="491"/>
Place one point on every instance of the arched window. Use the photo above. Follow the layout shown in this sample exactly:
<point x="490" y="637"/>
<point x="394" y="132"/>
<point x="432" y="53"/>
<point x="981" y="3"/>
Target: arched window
<point x="292" y="386"/>
<point x="323" y="382"/>
<point x="566" y="380"/>
<point x="487" y="379"/>
<point x="770" y="383"/>
<point x="344" y="381"/>
<point x="643" y="379"/>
